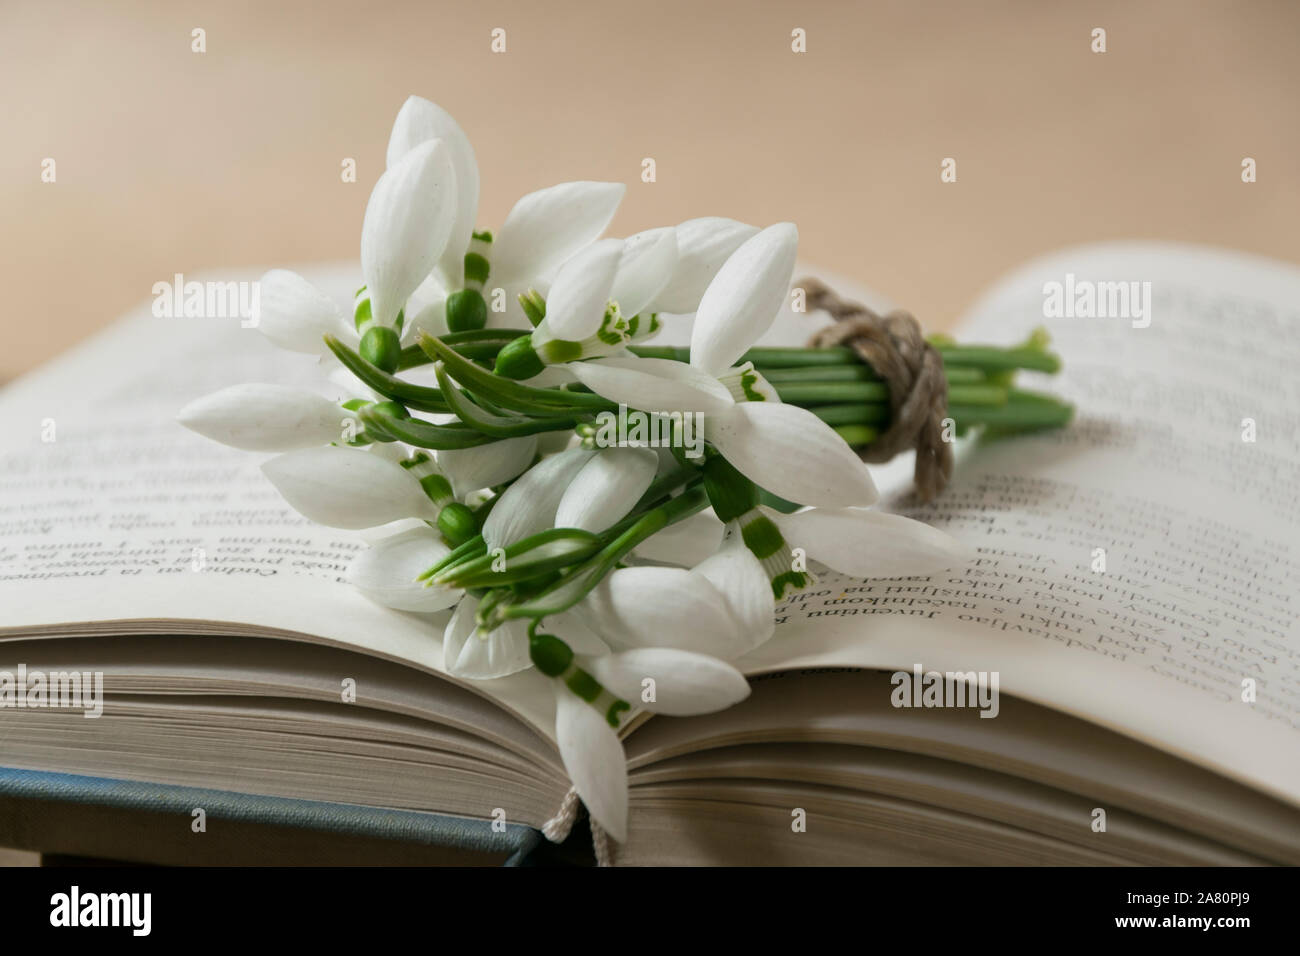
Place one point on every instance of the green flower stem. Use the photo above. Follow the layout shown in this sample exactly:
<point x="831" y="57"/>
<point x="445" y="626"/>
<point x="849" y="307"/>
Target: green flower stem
<point x="857" y="436"/>
<point x="471" y="549"/>
<point x="479" y="345"/>
<point x="853" y="413"/>
<point x="497" y="426"/>
<point x="1023" y="411"/>
<point x="860" y="425"/>
<point x="859" y="373"/>
<point x="419" y="397"/>
<point x="983" y="357"/>
<point x="814" y="393"/>
<point x="763" y="358"/>
<point x="506" y="392"/>
<point x="992" y="359"/>
<point x="421" y="434"/>
<point x="578" y="583"/>
<point x="539" y="554"/>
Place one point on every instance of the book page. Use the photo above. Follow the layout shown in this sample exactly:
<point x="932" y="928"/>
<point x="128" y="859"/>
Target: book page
<point x="115" y="519"/>
<point x="1139" y="569"/>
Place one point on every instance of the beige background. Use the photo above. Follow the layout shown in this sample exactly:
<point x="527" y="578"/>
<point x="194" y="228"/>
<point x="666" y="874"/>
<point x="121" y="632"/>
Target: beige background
<point x="170" y="161"/>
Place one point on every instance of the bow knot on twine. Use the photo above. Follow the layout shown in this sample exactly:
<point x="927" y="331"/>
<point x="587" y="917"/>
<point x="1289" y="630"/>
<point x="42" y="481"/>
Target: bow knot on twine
<point x="912" y="370"/>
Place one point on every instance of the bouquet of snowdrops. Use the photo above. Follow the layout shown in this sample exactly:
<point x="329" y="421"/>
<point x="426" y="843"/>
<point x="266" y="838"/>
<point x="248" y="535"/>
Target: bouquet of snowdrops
<point x="621" y="518"/>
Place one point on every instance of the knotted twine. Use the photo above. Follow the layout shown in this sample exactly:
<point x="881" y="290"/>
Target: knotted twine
<point x="912" y="371"/>
<point x="557" y="828"/>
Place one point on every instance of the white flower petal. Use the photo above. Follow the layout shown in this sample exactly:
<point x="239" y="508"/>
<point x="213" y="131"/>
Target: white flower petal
<point x="740" y="579"/>
<point x="552" y="376"/>
<point x="504" y="310"/>
<point x="419" y="121"/>
<point x="686" y="542"/>
<point x="426" y="310"/>
<point x="467" y="653"/>
<point x="743" y="299"/>
<point x="703" y="245"/>
<point x="594" y="759"/>
<point x="646" y="266"/>
<point x="372" y="536"/>
<point x="431" y="318"/>
<point x="685" y="683"/>
<point x="570" y="628"/>
<point x="662" y="607"/>
<point x="792" y="453"/>
<point x="266" y="418"/>
<point x="347" y="487"/>
<point x="407" y="224"/>
<point x="296" y="315"/>
<point x="528" y="506"/>
<point x="576" y="305"/>
<point x="346" y="386"/>
<point x="386" y="572"/>
<point x="871" y="544"/>
<point x="484" y="466"/>
<point x="606" y="488"/>
<point x="655" y="385"/>
<point x="548" y="226"/>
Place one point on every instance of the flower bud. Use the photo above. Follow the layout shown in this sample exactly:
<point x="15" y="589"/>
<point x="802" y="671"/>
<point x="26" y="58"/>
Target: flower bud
<point x="518" y="360"/>
<point x="457" y="523"/>
<point x="374" y="415"/>
<point x="381" y="347"/>
<point x="466" y="310"/>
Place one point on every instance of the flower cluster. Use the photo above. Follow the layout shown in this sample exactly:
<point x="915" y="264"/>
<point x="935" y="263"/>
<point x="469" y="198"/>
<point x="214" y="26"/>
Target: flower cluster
<point x="631" y="574"/>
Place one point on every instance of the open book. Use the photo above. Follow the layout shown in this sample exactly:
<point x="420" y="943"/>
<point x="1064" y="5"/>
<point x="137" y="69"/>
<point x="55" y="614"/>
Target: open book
<point x="1133" y="605"/>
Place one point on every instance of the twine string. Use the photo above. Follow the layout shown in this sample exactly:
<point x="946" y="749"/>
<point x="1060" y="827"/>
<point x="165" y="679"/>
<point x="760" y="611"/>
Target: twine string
<point x="558" y="828"/>
<point x="912" y="370"/>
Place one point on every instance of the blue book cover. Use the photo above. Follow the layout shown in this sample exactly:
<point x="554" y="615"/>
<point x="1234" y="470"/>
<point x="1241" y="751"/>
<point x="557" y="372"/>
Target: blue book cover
<point x="511" y="841"/>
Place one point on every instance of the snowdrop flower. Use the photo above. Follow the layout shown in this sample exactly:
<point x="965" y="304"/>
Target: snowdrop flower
<point x="595" y="304"/>
<point x="703" y="245"/>
<point x="348" y="487"/>
<point x="420" y="121"/>
<point x="723" y="607"/>
<point x="268" y="418"/>
<point x="784" y="448"/>
<point x="594" y="693"/>
<point x="486" y="466"/>
<point x="407" y="225"/>
<point x="608" y="295"/>
<point x="472" y="653"/>
<point x="577" y="488"/>
<point x="388" y="571"/>
<point x="855" y="541"/>
<point x="542" y="231"/>
<point x="351" y="488"/>
<point x="686" y="543"/>
<point x="296" y="316"/>
<point x="606" y="488"/>
<point x="864" y="543"/>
